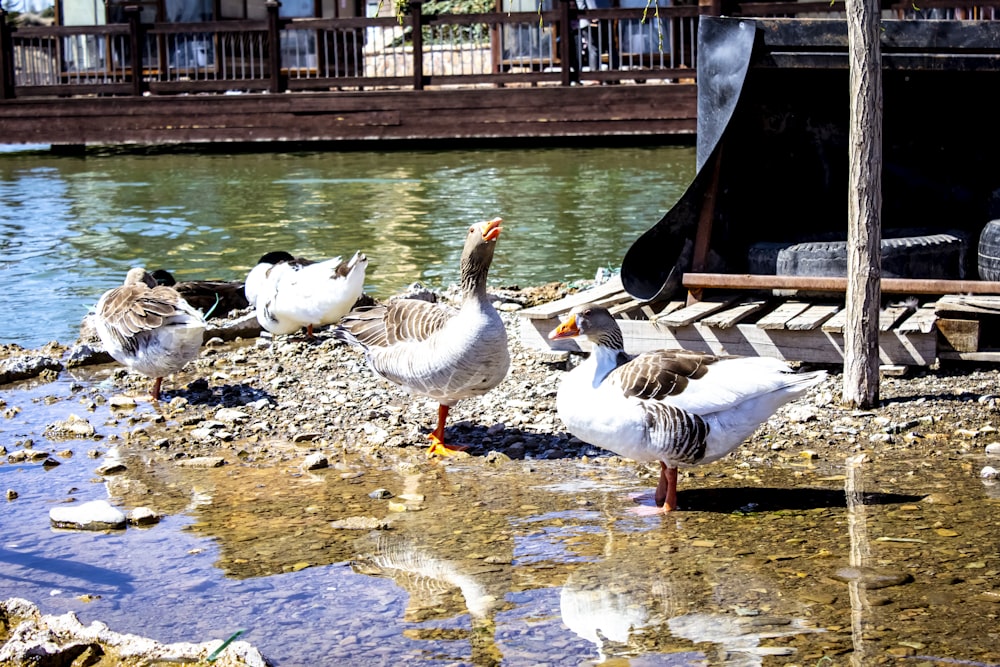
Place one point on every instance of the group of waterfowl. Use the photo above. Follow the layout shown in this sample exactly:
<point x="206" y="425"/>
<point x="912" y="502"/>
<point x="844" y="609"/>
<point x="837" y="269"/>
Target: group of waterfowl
<point x="679" y="408"/>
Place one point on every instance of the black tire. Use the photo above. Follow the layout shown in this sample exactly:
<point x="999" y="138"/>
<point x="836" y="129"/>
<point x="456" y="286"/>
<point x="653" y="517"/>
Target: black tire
<point x="934" y="256"/>
<point x="989" y="251"/>
<point x="762" y="258"/>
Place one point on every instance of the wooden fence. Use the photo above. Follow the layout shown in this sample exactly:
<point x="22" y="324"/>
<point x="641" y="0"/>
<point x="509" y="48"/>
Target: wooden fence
<point x="281" y="54"/>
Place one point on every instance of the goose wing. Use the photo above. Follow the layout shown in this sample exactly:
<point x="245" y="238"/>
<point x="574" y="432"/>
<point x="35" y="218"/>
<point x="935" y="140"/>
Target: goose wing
<point x="403" y="320"/>
<point x="657" y="375"/>
<point x="131" y="309"/>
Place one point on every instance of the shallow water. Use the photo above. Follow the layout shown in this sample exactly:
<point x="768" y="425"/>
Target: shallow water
<point x="70" y="228"/>
<point x="521" y="563"/>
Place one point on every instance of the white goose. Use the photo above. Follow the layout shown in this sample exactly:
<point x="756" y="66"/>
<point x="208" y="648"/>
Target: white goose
<point x="672" y="406"/>
<point x="150" y="329"/>
<point x="432" y="349"/>
<point x="290" y="294"/>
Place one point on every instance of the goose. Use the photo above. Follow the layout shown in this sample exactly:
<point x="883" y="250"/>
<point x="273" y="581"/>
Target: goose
<point x="148" y="328"/>
<point x="290" y="294"/>
<point x="215" y="298"/>
<point x="255" y="279"/>
<point x="435" y="350"/>
<point x="677" y="407"/>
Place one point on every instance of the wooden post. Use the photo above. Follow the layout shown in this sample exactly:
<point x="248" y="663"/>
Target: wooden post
<point x="864" y="224"/>
<point x="417" y="21"/>
<point x="274" y="46"/>
<point x="135" y="42"/>
<point x="567" y="43"/>
<point x="6" y="58"/>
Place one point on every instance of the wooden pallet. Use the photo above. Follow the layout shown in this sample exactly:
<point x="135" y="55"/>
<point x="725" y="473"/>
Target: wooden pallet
<point x="793" y="329"/>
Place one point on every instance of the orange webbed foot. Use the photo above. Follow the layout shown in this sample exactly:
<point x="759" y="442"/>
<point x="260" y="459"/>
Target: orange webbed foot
<point x="439" y="448"/>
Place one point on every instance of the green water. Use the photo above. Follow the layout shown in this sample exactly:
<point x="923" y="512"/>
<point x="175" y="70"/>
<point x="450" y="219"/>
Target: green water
<point x="71" y="227"/>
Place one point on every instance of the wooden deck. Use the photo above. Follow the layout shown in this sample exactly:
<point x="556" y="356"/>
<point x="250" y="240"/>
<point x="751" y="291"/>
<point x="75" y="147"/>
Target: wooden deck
<point x="917" y="332"/>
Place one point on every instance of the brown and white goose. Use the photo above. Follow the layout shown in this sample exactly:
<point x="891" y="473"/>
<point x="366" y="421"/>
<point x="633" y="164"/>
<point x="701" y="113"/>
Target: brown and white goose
<point x="433" y="349"/>
<point x="676" y="407"/>
<point x="149" y="328"/>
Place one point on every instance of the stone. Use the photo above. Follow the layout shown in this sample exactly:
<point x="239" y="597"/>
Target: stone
<point x="92" y="515"/>
<point x="315" y="461"/>
<point x="142" y="516"/>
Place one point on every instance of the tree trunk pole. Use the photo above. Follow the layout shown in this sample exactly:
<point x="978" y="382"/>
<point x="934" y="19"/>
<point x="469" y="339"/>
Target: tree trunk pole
<point x="864" y="225"/>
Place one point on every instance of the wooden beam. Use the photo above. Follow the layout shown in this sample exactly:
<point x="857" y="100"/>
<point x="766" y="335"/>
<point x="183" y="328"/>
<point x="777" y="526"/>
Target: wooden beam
<point x="823" y="284"/>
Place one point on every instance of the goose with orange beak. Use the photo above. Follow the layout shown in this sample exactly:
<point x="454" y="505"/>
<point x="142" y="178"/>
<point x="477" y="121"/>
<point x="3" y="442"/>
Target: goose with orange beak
<point x="672" y="406"/>
<point x="435" y="350"/>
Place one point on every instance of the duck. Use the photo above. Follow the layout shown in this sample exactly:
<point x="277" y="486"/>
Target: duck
<point x="678" y="407"/>
<point x="148" y="328"/>
<point x="436" y="350"/>
<point x="215" y="298"/>
<point x="290" y="293"/>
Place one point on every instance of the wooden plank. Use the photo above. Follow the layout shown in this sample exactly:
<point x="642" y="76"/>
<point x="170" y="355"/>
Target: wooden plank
<point x="813" y="346"/>
<point x="732" y="316"/>
<point x="692" y="313"/>
<point x="961" y="335"/>
<point x="777" y="318"/>
<point x="836" y="323"/>
<point x="921" y="321"/>
<point x="551" y="309"/>
<point x="968" y="304"/>
<point x="889" y="317"/>
<point x="813" y="317"/>
<point x="625" y="308"/>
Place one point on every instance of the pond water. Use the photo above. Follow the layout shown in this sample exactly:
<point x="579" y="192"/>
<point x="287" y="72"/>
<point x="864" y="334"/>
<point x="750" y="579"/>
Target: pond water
<point x="70" y="228"/>
<point x="891" y="561"/>
<point x="805" y="562"/>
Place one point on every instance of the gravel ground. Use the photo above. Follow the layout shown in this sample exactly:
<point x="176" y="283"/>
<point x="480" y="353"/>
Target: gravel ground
<point x="248" y="396"/>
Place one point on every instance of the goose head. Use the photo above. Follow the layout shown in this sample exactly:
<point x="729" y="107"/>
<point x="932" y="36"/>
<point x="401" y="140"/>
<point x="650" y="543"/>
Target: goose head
<point x="477" y="255"/>
<point x="139" y="276"/>
<point x="593" y="323"/>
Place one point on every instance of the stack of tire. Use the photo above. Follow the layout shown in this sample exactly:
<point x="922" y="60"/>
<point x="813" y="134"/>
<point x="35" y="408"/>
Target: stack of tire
<point x="989" y="251"/>
<point x="905" y="254"/>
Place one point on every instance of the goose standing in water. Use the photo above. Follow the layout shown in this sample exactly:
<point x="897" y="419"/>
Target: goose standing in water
<point x="676" y="407"/>
<point x="149" y="328"/>
<point x="290" y="294"/>
<point x="435" y="350"/>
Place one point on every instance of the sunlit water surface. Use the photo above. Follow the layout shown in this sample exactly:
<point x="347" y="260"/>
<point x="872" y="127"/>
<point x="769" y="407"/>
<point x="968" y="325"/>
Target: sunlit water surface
<point x="522" y="564"/>
<point x="70" y="228"/>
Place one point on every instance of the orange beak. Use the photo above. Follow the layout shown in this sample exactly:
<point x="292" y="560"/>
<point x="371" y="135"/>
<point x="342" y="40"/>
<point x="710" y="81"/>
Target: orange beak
<point x="567" y="329"/>
<point x="491" y="229"/>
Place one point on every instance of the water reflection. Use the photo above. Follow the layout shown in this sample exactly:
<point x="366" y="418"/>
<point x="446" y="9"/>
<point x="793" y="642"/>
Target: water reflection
<point x="519" y="563"/>
<point x="70" y="228"/>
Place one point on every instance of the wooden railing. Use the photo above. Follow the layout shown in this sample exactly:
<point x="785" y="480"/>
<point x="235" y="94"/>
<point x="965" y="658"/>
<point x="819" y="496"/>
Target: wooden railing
<point x="280" y="54"/>
<point x="656" y="44"/>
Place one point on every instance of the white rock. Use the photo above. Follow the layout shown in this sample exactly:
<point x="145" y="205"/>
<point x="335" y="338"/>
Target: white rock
<point x="231" y="416"/>
<point x="143" y="516"/>
<point x="801" y="412"/>
<point x="315" y="461"/>
<point x="93" y="515"/>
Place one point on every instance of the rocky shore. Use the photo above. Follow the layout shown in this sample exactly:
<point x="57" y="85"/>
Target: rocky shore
<point x="267" y="401"/>
<point x="248" y="390"/>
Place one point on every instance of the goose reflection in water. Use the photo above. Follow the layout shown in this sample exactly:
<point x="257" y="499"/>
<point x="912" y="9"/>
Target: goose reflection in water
<point x="442" y="589"/>
<point x="626" y="607"/>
